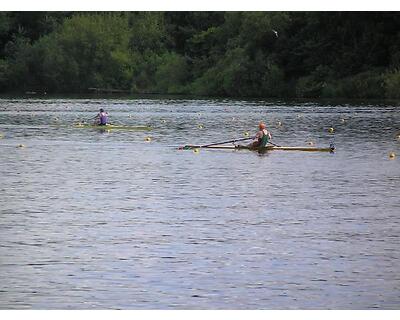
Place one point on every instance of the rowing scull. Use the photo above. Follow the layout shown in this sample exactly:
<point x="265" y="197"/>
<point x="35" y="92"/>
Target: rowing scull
<point x="111" y="127"/>
<point x="266" y="148"/>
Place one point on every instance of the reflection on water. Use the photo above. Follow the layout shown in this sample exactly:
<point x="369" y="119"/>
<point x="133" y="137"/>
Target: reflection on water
<point x="107" y="220"/>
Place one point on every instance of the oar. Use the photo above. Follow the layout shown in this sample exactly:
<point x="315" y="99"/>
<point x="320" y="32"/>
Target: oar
<point x="273" y="144"/>
<point x="117" y="122"/>
<point x="213" y="144"/>
<point x="224" y="142"/>
<point x="86" y="120"/>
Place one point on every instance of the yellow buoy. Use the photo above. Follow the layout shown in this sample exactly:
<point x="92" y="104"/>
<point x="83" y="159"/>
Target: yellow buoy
<point x="398" y="137"/>
<point x="200" y="126"/>
<point x="163" y="121"/>
<point x="279" y="123"/>
<point x="196" y="150"/>
<point x="331" y="130"/>
<point x="310" y="143"/>
<point x="392" y="155"/>
<point x="1" y="135"/>
<point x="21" y="146"/>
<point x="246" y="134"/>
<point x="147" y="139"/>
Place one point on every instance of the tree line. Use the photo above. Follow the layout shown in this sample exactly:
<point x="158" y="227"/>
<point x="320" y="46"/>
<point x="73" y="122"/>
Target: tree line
<point x="226" y="54"/>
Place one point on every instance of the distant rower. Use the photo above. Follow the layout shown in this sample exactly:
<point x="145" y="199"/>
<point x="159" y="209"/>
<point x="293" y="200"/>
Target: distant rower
<point x="262" y="137"/>
<point x="102" y="117"/>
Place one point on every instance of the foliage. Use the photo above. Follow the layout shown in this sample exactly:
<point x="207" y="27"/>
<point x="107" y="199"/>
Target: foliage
<point x="246" y="54"/>
<point x="392" y="84"/>
<point x="368" y="84"/>
<point x="314" y="85"/>
<point x="147" y="31"/>
<point x="3" y="73"/>
<point x="172" y="73"/>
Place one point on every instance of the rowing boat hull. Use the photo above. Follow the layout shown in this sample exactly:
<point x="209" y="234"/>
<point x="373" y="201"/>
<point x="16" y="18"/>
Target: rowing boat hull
<point x="266" y="148"/>
<point x="112" y="127"/>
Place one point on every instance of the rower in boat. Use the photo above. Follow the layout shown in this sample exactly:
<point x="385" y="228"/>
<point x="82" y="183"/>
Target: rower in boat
<point x="261" y="138"/>
<point x="260" y="141"/>
<point x="101" y="118"/>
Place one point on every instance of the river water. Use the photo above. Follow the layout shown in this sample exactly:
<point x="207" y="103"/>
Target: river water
<point x="108" y="220"/>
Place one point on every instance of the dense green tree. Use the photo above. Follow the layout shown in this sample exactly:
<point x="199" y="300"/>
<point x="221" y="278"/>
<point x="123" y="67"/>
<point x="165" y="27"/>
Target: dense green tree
<point x="250" y="54"/>
<point x="147" y="31"/>
<point x="87" y="51"/>
<point x="392" y="84"/>
<point x="172" y="73"/>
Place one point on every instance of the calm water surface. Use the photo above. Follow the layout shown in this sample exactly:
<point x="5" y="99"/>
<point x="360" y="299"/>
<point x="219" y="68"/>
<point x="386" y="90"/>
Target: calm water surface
<point x="98" y="220"/>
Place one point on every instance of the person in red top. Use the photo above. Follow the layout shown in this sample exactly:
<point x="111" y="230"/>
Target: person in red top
<point x="262" y="137"/>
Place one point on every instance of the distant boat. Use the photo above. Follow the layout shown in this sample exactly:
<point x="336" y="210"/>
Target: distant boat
<point x="111" y="127"/>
